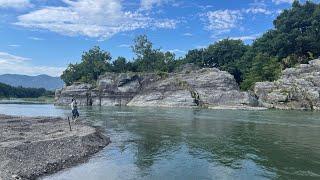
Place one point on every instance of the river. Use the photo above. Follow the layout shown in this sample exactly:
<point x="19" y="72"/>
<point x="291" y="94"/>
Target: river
<point x="177" y="143"/>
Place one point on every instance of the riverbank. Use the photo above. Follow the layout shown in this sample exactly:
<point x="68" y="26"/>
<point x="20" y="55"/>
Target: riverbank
<point x="40" y="100"/>
<point x="31" y="147"/>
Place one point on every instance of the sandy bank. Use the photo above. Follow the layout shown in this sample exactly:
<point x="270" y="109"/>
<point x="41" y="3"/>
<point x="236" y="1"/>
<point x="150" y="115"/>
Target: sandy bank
<point x="35" y="146"/>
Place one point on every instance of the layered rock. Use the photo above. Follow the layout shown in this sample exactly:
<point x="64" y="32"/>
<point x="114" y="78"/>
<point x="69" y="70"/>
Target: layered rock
<point x="80" y="91"/>
<point x="298" y="88"/>
<point x="206" y="87"/>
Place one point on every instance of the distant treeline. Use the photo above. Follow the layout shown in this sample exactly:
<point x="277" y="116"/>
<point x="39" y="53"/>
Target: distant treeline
<point x="7" y="91"/>
<point x="295" y="39"/>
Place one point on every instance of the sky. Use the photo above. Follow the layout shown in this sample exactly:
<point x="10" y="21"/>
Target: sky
<point x="44" y="36"/>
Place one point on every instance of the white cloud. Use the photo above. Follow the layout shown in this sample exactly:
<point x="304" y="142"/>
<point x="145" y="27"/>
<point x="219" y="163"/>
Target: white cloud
<point x="11" y="64"/>
<point x="17" y="4"/>
<point x="177" y="51"/>
<point x="244" y="38"/>
<point x="36" y="38"/>
<point x="259" y="3"/>
<point x="98" y="19"/>
<point x="258" y="10"/>
<point x="166" y="23"/>
<point x="187" y="34"/>
<point x="124" y="46"/>
<point x="258" y="7"/>
<point x="14" y="45"/>
<point x="222" y="21"/>
<point x="282" y="1"/>
<point x="205" y="7"/>
<point x="148" y="4"/>
<point x="279" y="11"/>
<point x="11" y="58"/>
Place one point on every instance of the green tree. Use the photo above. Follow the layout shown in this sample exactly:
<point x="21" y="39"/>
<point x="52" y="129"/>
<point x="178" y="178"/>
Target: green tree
<point x="144" y="52"/>
<point x="93" y="63"/>
<point x="170" y="61"/>
<point x="7" y="91"/>
<point x="294" y="40"/>
<point x="195" y="56"/>
<point x="150" y="59"/>
<point x="120" y="65"/>
<point x="224" y="54"/>
<point x="264" y="68"/>
<point x="296" y="32"/>
<point x="72" y="74"/>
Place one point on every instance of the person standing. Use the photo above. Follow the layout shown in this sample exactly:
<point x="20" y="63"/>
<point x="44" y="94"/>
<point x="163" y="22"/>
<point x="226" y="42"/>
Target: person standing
<point x="74" y="108"/>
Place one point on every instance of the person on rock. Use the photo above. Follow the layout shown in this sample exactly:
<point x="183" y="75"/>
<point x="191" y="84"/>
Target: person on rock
<point x="74" y="108"/>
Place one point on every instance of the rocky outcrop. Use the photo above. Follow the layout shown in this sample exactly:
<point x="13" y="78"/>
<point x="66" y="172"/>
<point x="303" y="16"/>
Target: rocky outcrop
<point x="80" y="91"/>
<point x="206" y="87"/>
<point x="298" y="88"/>
<point x="31" y="147"/>
<point x="188" y="88"/>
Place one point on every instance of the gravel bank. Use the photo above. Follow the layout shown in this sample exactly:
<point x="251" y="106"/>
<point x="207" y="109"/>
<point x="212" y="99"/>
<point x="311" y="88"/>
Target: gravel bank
<point x="31" y="147"/>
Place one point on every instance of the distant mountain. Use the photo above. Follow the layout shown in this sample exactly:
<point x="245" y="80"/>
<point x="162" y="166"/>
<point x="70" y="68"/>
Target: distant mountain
<point x="41" y="81"/>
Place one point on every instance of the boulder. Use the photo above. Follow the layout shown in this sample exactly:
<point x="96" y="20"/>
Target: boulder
<point x="297" y="88"/>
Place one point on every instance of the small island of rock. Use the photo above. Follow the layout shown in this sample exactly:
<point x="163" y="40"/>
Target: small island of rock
<point x="35" y="146"/>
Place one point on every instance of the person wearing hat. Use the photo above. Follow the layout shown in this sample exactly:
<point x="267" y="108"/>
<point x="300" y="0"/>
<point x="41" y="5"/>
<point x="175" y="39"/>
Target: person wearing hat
<point x="74" y="108"/>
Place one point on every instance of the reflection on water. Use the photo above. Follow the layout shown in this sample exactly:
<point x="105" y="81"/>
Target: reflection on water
<point x="174" y="143"/>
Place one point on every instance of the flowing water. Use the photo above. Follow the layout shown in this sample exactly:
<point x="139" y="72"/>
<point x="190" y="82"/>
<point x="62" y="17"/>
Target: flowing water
<point x="177" y="143"/>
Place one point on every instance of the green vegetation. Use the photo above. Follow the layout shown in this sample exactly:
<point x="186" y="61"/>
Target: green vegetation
<point x="295" y="39"/>
<point x="224" y="55"/>
<point x="7" y="91"/>
<point x="263" y="68"/>
<point x="93" y="63"/>
<point x="96" y="62"/>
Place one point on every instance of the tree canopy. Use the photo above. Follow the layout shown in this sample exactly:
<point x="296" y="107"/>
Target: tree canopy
<point x="294" y="40"/>
<point x="93" y="63"/>
<point x="96" y="62"/>
<point x="150" y="59"/>
<point x="7" y="91"/>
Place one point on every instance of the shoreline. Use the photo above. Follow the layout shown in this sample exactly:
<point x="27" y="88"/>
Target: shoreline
<point x="20" y="101"/>
<point x="32" y="147"/>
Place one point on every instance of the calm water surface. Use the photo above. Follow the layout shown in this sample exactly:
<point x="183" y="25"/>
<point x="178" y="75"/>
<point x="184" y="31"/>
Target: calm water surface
<point x="174" y="143"/>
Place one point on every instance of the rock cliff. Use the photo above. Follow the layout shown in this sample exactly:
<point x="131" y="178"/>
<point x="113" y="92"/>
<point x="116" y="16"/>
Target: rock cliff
<point x="192" y="88"/>
<point x="78" y="90"/>
<point x="298" y="88"/>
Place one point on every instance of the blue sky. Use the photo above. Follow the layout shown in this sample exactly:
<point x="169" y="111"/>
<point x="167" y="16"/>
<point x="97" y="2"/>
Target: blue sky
<point x="44" y="36"/>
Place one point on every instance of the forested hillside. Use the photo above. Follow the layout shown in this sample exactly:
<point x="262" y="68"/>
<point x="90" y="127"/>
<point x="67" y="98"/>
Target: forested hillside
<point x="295" y="39"/>
<point x="7" y="91"/>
